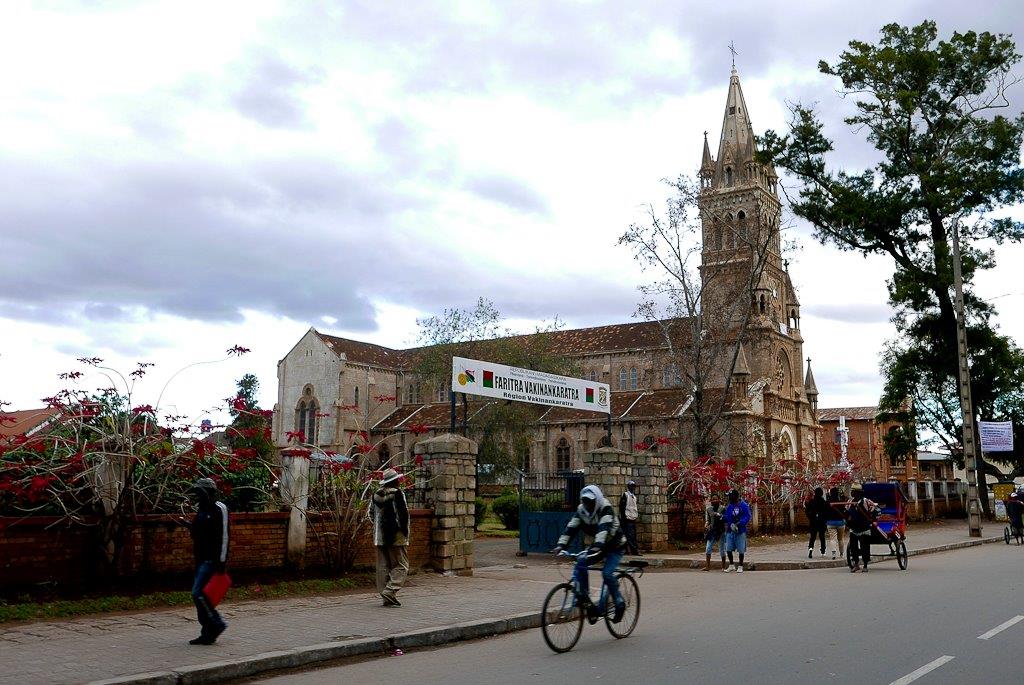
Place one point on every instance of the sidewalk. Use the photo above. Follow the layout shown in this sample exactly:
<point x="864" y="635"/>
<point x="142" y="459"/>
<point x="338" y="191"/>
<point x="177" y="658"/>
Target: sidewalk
<point x="922" y="538"/>
<point x="279" y="633"/>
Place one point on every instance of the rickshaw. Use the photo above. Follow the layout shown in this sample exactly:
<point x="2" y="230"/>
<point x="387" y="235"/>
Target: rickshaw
<point x="890" y="528"/>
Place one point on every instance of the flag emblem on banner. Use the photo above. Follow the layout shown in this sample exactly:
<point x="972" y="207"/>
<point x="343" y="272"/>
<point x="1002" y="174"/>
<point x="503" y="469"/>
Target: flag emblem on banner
<point x="488" y="379"/>
<point x="590" y="395"/>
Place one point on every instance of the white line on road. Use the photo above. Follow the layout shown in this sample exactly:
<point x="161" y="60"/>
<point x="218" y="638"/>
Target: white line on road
<point x="924" y="670"/>
<point x="1001" y="627"/>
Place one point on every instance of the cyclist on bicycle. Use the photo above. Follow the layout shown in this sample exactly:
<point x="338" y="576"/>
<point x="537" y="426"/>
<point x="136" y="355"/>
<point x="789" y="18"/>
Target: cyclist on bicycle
<point x="596" y="518"/>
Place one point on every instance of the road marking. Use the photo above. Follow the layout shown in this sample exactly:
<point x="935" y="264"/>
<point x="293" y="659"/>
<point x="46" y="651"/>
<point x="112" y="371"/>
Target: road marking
<point x="924" y="670"/>
<point x="1001" y="627"/>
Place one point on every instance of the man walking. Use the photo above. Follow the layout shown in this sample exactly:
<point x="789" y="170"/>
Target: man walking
<point x="818" y="512"/>
<point x="391" y="537"/>
<point x="628" y="514"/>
<point x="736" y="518"/>
<point x="860" y="516"/>
<point x="209" y="529"/>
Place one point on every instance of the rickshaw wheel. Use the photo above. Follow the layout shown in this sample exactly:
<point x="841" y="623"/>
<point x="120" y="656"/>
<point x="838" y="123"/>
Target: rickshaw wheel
<point x="1006" y="534"/>
<point x="901" y="555"/>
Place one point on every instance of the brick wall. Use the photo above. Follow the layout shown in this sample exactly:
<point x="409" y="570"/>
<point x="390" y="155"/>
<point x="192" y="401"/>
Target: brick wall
<point x="47" y="549"/>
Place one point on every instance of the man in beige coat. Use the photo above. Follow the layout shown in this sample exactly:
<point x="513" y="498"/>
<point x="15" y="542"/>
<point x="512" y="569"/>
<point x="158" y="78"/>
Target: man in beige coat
<point x="391" y="537"/>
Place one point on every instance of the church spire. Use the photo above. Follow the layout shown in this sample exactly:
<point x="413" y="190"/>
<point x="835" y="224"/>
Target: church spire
<point x="809" y="386"/>
<point x="737" y="134"/>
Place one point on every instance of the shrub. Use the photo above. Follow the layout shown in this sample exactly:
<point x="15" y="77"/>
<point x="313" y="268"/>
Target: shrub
<point x="480" y="511"/>
<point x="506" y="508"/>
<point x="552" y="502"/>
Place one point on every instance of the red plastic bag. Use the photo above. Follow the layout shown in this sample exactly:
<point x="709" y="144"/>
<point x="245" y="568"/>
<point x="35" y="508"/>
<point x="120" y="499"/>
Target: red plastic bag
<point x="217" y="587"/>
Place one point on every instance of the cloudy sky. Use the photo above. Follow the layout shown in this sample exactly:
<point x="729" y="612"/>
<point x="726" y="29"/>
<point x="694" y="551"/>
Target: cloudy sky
<point x="179" y="177"/>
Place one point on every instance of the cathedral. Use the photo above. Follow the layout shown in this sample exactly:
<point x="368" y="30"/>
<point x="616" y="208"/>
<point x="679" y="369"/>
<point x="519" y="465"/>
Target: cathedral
<point x="336" y="391"/>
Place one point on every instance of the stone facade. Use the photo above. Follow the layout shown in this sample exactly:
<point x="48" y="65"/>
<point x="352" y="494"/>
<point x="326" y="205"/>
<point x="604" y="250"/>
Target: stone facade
<point x="610" y="469"/>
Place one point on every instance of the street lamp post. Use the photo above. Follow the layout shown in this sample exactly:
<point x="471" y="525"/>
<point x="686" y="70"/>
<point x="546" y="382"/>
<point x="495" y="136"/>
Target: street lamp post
<point x="966" y="406"/>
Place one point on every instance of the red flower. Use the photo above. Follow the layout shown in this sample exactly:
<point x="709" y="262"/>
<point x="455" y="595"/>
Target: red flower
<point x="417" y="428"/>
<point x="91" y="361"/>
<point x="238" y="404"/>
<point x="238" y="350"/>
<point x="346" y="465"/>
<point x="297" y="436"/>
<point x="364" y="448"/>
<point x="70" y="375"/>
<point x="418" y="459"/>
<point x="385" y="398"/>
<point x="142" y="409"/>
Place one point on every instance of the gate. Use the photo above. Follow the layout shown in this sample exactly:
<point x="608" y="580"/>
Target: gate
<point x="546" y="503"/>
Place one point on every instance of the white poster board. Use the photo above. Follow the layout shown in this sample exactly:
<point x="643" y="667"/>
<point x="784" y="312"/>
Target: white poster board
<point x="996" y="436"/>
<point x="487" y="379"/>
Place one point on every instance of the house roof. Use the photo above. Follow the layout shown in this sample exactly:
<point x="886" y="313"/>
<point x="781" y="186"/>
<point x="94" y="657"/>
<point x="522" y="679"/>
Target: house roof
<point x="854" y="413"/>
<point x="576" y="341"/>
<point x="924" y="455"/>
<point x="24" y="421"/>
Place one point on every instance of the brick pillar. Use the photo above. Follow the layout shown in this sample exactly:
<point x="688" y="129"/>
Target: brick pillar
<point x="451" y="460"/>
<point x="652" y="494"/>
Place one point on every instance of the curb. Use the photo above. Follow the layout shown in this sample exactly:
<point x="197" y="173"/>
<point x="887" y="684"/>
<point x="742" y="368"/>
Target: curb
<point x="219" y="671"/>
<point x="683" y="563"/>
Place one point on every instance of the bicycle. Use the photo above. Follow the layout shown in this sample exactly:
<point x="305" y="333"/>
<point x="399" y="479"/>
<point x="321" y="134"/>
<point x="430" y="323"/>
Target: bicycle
<point x="567" y="605"/>
<point x="1011" y="531"/>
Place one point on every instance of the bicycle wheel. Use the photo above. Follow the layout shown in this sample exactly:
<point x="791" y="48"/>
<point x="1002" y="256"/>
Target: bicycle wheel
<point x="1006" y="534"/>
<point x="562" y="619"/>
<point x="631" y="595"/>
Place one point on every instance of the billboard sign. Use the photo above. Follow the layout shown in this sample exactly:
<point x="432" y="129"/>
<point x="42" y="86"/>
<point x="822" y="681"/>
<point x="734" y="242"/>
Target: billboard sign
<point x="487" y="379"/>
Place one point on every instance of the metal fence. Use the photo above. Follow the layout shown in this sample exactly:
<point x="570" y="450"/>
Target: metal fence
<point x="546" y="503"/>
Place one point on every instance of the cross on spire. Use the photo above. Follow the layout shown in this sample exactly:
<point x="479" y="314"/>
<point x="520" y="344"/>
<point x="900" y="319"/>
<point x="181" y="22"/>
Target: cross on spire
<point x="732" y="49"/>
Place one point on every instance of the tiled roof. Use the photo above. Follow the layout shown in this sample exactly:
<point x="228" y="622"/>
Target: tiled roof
<point x="577" y="341"/>
<point x="24" y="420"/>
<point x="855" y="413"/>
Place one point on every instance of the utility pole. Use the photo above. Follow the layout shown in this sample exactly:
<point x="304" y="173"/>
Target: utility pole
<point x="966" y="406"/>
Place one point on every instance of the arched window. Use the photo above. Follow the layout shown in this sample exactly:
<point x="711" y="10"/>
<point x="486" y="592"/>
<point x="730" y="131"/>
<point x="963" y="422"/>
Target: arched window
<point x="670" y="376"/>
<point x="728" y="175"/>
<point x="412" y="393"/>
<point x="718" y="238"/>
<point x="563" y="455"/>
<point x="444" y="394"/>
<point x="623" y="378"/>
<point x="592" y="376"/>
<point x="604" y="441"/>
<point x="633" y="378"/>
<point x="355" y="397"/>
<point x="384" y="453"/>
<point x="305" y="415"/>
<point x="741" y="215"/>
<point x="762" y="304"/>
<point x="524" y="459"/>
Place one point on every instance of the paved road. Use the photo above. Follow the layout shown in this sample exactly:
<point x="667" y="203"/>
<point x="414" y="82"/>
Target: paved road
<point x="826" y="626"/>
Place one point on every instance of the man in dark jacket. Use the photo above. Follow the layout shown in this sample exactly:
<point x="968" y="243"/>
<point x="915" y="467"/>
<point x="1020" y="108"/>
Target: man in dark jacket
<point x="595" y="518"/>
<point x="818" y="512"/>
<point x="210" y="540"/>
<point x="860" y="517"/>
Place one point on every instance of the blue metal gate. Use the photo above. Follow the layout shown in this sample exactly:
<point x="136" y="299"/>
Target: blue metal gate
<point x="546" y="503"/>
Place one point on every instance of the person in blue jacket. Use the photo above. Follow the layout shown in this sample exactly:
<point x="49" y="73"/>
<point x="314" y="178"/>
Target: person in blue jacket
<point x="736" y="518"/>
<point x="595" y="518"/>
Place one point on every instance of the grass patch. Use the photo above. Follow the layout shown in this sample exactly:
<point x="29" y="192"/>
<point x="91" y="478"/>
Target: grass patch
<point x="66" y="608"/>
<point x="492" y="527"/>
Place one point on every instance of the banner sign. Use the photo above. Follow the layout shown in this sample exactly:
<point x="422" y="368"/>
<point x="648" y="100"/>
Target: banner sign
<point x="996" y="436"/>
<point x="487" y="379"/>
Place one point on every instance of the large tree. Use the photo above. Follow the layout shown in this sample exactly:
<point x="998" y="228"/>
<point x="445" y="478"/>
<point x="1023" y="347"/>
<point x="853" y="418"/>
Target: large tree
<point x="949" y="155"/>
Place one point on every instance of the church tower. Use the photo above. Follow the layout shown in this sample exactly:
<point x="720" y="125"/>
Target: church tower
<point x="745" y="280"/>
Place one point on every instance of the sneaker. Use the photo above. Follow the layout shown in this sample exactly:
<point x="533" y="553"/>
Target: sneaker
<point x="201" y="640"/>
<point x="865" y="569"/>
<point x="390" y="600"/>
<point x="739" y="569"/>
<point x="810" y="553"/>
<point x="833" y="555"/>
<point x="855" y="568"/>
<point x="730" y="569"/>
<point x="620" y="610"/>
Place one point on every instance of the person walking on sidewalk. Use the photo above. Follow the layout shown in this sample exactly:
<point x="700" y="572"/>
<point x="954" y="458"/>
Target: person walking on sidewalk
<point x="835" y="524"/>
<point x="210" y="541"/>
<point x="817" y="515"/>
<point x="736" y="518"/>
<point x="391" y="537"/>
<point x="628" y="514"/>
<point x="860" y="515"/>
<point x="714" y="530"/>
